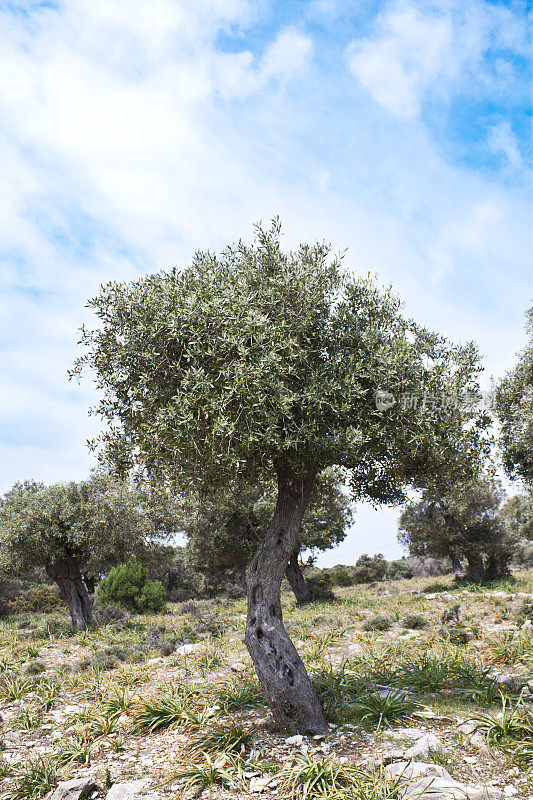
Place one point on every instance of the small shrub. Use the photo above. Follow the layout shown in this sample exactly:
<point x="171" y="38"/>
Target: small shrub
<point x="455" y="634"/>
<point x="370" y="568"/>
<point x="39" y="600"/>
<point x="415" y="622"/>
<point x="451" y="614"/>
<point x="127" y="586"/>
<point x="35" y="668"/>
<point x="399" y="569"/>
<point x="379" y="623"/>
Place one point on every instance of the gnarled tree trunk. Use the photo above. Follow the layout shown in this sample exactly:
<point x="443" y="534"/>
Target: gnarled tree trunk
<point x="68" y="577"/>
<point x="294" y="704"/>
<point x="476" y="567"/>
<point x="294" y="575"/>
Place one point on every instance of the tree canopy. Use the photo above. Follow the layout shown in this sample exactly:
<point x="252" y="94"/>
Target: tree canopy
<point x="514" y="404"/>
<point x="264" y="364"/>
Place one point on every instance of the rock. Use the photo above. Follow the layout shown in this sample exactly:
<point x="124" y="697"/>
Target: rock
<point x="74" y="789"/>
<point x="510" y="790"/>
<point x="387" y="757"/>
<point x="297" y="740"/>
<point x="238" y="667"/>
<point x="431" y="782"/>
<point x="406" y="733"/>
<point x="445" y="789"/>
<point x="125" y="791"/>
<point x="505" y="680"/>
<point x="185" y="649"/>
<point x="416" y="769"/>
<point x="259" y="784"/>
<point x="527" y="627"/>
<point x="424" y="747"/>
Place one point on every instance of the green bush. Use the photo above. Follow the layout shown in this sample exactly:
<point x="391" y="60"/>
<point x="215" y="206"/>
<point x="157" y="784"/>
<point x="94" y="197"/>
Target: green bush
<point x="370" y="568"/>
<point x="127" y="586"/>
<point x="399" y="569"/>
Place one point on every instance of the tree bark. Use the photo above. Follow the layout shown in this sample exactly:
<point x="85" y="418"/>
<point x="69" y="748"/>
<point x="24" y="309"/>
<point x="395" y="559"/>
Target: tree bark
<point x="68" y="577"/>
<point x="292" y="699"/>
<point x="476" y="568"/>
<point x="294" y="575"/>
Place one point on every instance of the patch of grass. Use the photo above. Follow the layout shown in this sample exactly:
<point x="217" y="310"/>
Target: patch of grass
<point x="14" y="688"/>
<point x="223" y="770"/>
<point x="243" y="694"/>
<point x="414" y="622"/>
<point x="510" y="647"/>
<point x="74" y="749"/>
<point x="231" y="739"/>
<point x="378" y="623"/>
<point x="35" y="778"/>
<point x="118" y="702"/>
<point x="509" y="723"/>
<point x="383" y="709"/>
<point x="28" y="719"/>
<point x="306" y="779"/>
<point x="165" y="710"/>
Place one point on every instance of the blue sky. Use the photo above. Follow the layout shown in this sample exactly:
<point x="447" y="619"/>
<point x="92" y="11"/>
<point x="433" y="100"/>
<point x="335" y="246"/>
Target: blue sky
<point x="132" y="133"/>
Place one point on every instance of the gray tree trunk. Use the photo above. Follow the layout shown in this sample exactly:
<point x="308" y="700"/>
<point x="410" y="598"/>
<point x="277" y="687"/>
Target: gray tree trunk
<point x="292" y="699"/>
<point x="294" y="575"/>
<point x="68" y="577"/>
<point x="476" y="568"/>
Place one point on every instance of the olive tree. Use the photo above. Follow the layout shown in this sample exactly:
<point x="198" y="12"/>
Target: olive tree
<point x="514" y="405"/>
<point x="462" y="523"/>
<point x="71" y="528"/>
<point x="263" y="363"/>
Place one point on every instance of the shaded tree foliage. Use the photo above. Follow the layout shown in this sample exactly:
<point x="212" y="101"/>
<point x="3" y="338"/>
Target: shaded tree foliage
<point x="463" y="523"/>
<point x="514" y="405"/>
<point x="261" y="364"/>
<point x="225" y="529"/>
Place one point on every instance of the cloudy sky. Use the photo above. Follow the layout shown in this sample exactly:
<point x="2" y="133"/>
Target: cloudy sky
<point x="133" y="132"/>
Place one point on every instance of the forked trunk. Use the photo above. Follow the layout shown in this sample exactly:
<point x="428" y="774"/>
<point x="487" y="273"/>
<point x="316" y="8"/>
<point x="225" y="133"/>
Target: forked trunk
<point x="292" y="699"/>
<point x="294" y="575"/>
<point x="68" y="577"/>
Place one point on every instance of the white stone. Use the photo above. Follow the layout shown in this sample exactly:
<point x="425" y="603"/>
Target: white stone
<point x="238" y="667"/>
<point x="185" y="649"/>
<point x="297" y="740"/>
<point x="125" y="791"/>
<point x="416" y="769"/>
<point x="510" y="790"/>
<point x="424" y="747"/>
<point x="74" y="789"/>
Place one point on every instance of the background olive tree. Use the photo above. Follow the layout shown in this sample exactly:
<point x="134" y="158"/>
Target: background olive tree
<point x="74" y="528"/>
<point x="261" y="364"/>
<point x="463" y="523"/>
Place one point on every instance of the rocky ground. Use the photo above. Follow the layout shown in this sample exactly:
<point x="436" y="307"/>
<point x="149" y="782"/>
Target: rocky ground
<point x="428" y="686"/>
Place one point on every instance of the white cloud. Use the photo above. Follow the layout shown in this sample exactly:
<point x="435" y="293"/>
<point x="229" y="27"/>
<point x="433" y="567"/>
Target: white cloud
<point x="418" y="50"/>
